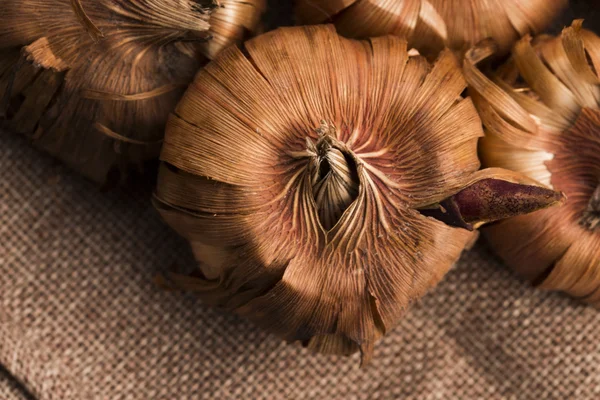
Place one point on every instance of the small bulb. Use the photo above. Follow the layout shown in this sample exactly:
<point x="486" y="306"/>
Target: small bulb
<point x="430" y="25"/>
<point x="93" y="82"/>
<point x="325" y="184"/>
<point x="541" y="112"/>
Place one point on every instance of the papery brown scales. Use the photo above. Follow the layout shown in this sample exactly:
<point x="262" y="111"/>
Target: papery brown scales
<point x="259" y="134"/>
<point x="541" y="111"/>
<point x="92" y="81"/>
<point x="431" y="24"/>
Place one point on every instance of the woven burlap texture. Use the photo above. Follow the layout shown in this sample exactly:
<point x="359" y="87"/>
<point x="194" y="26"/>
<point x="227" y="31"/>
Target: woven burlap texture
<point x="81" y="319"/>
<point x="10" y="389"/>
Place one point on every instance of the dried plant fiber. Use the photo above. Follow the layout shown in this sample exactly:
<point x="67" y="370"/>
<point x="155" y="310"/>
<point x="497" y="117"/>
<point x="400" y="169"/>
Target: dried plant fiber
<point x="431" y="24"/>
<point x="541" y="111"/>
<point x="325" y="184"/>
<point x="93" y="81"/>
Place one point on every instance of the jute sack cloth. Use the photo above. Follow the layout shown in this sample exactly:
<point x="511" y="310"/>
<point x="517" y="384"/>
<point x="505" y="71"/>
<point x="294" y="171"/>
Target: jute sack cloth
<point x="81" y="319"/>
<point x="10" y="389"/>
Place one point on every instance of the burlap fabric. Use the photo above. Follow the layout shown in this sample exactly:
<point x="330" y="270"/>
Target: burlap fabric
<point x="10" y="389"/>
<point x="81" y="319"/>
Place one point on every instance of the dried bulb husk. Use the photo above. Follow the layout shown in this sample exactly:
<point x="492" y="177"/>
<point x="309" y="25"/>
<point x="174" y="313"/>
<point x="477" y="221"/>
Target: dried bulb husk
<point x="325" y="183"/>
<point x="431" y="24"/>
<point x="93" y="81"/>
<point x="541" y="112"/>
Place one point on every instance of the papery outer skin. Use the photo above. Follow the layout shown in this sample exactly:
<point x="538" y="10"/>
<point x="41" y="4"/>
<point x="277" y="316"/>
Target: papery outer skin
<point x="235" y="182"/>
<point x="100" y="101"/>
<point x="431" y="24"/>
<point x="551" y="247"/>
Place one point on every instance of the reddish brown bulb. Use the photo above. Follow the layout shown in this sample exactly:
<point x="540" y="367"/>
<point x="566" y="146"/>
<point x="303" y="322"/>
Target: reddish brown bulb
<point x="324" y="183"/>
<point x="93" y="81"/>
<point x="541" y="111"/>
<point x="431" y="24"/>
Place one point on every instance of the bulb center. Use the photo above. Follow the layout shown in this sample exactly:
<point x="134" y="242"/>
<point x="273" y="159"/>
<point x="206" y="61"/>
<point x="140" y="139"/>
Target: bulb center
<point x="591" y="216"/>
<point x="335" y="182"/>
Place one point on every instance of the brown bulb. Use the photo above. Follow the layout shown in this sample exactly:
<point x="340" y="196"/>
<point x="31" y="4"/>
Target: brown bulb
<point x="541" y="111"/>
<point x="93" y="81"/>
<point x="431" y="24"/>
<point x="324" y="183"/>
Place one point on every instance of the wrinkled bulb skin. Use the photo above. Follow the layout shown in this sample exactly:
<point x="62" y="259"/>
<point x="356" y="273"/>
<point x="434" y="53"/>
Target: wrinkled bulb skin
<point x="92" y="82"/>
<point x="324" y="183"/>
<point x="541" y="112"/>
<point x="432" y="24"/>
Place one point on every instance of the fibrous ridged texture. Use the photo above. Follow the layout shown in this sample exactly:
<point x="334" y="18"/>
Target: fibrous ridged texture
<point x="297" y="169"/>
<point x="541" y="111"/>
<point x="431" y="24"/>
<point x="93" y="81"/>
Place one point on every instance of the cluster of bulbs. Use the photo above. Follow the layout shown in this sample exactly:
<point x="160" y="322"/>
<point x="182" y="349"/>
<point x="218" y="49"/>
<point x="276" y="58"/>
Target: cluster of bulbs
<point x="323" y="182"/>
